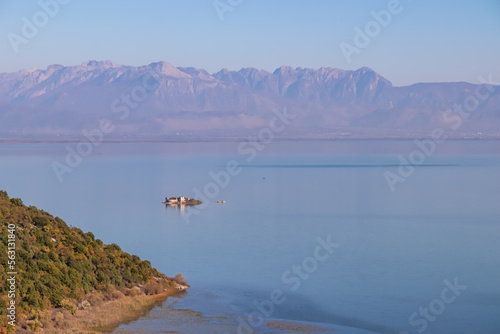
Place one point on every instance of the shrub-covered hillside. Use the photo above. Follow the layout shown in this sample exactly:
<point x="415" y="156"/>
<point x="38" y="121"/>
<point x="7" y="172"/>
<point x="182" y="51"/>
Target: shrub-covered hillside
<point x="56" y="263"/>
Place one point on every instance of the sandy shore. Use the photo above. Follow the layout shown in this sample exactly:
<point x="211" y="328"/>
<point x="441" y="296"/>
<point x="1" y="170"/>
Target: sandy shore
<point x="175" y="316"/>
<point x="107" y="316"/>
<point x="297" y="327"/>
<point x="184" y="321"/>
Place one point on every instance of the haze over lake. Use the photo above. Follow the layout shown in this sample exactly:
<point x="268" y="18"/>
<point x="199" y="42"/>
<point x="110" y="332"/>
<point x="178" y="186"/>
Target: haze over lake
<point x="394" y="250"/>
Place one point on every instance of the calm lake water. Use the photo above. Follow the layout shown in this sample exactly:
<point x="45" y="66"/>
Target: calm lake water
<point x="422" y="258"/>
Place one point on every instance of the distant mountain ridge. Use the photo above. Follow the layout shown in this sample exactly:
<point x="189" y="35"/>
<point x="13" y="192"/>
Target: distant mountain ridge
<point x="61" y="101"/>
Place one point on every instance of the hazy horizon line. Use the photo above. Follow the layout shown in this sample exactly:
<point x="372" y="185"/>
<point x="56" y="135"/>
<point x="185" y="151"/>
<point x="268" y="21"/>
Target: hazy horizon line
<point x="242" y="68"/>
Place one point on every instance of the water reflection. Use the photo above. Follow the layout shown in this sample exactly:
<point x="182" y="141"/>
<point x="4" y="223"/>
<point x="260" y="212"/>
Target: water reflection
<point x="176" y="207"/>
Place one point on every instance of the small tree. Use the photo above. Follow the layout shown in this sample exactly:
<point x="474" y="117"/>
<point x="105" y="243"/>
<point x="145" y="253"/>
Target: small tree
<point x="16" y="201"/>
<point x="180" y="279"/>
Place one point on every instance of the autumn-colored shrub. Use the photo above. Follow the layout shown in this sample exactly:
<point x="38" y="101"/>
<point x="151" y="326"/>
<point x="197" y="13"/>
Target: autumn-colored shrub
<point x="134" y="291"/>
<point x="59" y="319"/>
<point x="180" y="279"/>
<point x="83" y="305"/>
<point x="95" y="299"/>
<point x="117" y="294"/>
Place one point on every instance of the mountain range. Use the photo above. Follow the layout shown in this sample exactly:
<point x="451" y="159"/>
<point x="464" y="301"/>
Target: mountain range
<point x="161" y="102"/>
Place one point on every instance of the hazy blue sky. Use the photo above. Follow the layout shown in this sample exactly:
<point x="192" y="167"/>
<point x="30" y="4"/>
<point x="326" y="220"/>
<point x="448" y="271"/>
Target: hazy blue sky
<point x="427" y="40"/>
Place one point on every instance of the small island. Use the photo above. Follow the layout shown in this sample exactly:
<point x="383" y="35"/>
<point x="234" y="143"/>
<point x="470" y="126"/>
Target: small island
<point x="174" y="201"/>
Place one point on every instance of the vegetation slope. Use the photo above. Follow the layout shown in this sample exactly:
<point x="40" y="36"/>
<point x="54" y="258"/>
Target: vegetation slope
<point x="60" y="269"/>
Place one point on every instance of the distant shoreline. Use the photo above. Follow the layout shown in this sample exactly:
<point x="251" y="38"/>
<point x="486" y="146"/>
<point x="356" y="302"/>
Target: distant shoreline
<point x="229" y="140"/>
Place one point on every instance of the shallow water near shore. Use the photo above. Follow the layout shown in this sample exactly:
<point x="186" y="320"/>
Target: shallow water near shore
<point x="395" y="252"/>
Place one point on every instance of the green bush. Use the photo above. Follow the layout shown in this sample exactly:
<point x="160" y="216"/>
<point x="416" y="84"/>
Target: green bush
<point x="69" y="305"/>
<point x="34" y="325"/>
<point x="16" y="202"/>
<point x="41" y="221"/>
